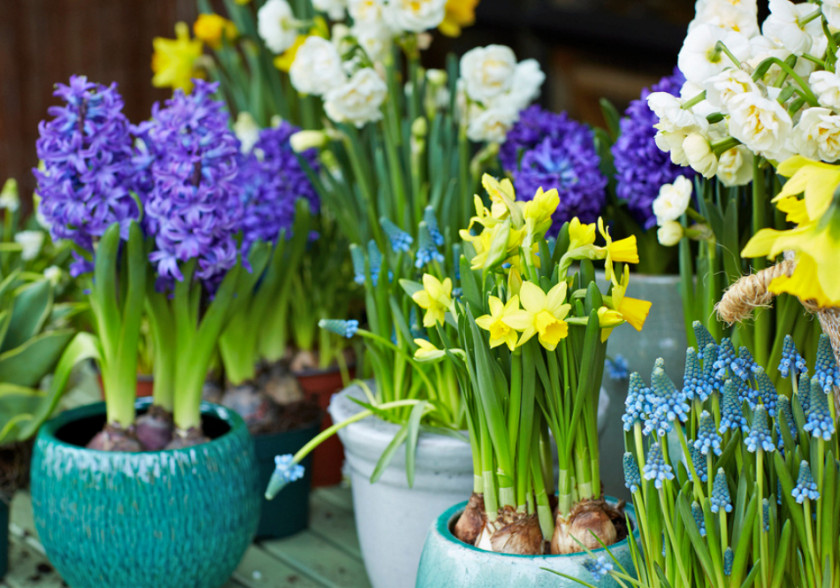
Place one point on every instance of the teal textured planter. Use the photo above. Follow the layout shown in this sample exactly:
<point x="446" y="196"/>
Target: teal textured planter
<point x="289" y="514"/>
<point x="158" y="519"/>
<point x="4" y="538"/>
<point x="447" y="561"/>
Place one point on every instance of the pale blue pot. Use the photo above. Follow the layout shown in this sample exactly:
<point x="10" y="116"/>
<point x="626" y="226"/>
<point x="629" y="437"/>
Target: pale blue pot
<point x="158" y="519"/>
<point x="447" y="561"/>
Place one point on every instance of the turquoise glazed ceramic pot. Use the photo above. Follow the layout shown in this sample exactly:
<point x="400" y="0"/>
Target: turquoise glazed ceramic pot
<point x="158" y="519"/>
<point x="447" y="561"/>
<point x="281" y="518"/>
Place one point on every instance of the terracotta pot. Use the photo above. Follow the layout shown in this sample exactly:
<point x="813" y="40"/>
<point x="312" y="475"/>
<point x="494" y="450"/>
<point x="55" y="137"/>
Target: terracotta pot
<point x="145" y="385"/>
<point x="328" y="458"/>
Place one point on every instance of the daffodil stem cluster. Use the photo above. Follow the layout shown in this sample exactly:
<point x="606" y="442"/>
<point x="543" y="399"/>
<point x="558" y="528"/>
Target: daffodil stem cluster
<point x="734" y="483"/>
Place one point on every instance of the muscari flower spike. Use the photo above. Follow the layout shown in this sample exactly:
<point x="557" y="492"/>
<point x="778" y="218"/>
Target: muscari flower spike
<point x="632" y="479"/>
<point x="786" y="411"/>
<point x="426" y="249"/>
<point x="826" y="370"/>
<point x="636" y="405"/>
<point x="374" y="262"/>
<point x="699" y="462"/>
<point x="728" y="559"/>
<point x="710" y="355"/>
<point x="765" y="514"/>
<point x="766" y="391"/>
<point x="699" y="519"/>
<point x="345" y="328"/>
<point x="617" y="367"/>
<point x="818" y="419"/>
<point x="707" y="438"/>
<point x="806" y="487"/>
<point x="720" y="493"/>
<point x="456" y="262"/>
<point x="695" y="385"/>
<point x="804" y="392"/>
<point x="434" y="229"/>
<point x="791" y="359"/>
<point x="744" y="365"/>
<point x="358" y="258"/>
<point x="726" y="358"/>
<point x="704" y="339"/>
<point x="285" y="471"/>
<point x="599" y="567"/>
<point x="399" y="239"/>
<point x="669" y="402"/>
<point x="759" y="436"/>
<point x="732" y="416"/>
<point x="655" y="467"/>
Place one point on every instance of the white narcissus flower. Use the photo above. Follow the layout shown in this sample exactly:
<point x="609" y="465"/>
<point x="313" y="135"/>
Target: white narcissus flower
<point x="826" y="85"/>
<point x="31" y="242"/>
<point x="527" y="80"/>
<point x="783" y="27"/>
<point x="375" y="40"/>
<point x="735" y="166"/>
<point x="317" y="67"/>
<point x="731" y="82"/>
<point x="303" y="140"/>
<point x="762" y="124"/>
<point x="276" y="25"/>
<point x="488" y="71"/>
<point x="699" y="57"/>
<point x="669" y="233"/>
<point x="831" y="12"/>
<point x="358" y="100"/>
<point x="675" y="124"/>
<point x="333" y="8"/>
<point x="246" y="130"/>
<point x="413" y="16"/>
<point x="673" y="200"/>
<point x="817" y="135"/>
<point x="700" y="156"/>
<point x="727" y="14"/>
<point x="491" y="124"/>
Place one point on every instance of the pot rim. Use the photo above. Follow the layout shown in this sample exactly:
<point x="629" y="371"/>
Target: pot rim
<point x="48" y="429"/>
<point x="443" y="523"/>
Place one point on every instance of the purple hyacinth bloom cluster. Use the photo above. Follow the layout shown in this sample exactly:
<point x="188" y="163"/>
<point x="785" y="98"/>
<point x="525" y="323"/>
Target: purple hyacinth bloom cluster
<point x="273" y="180"/>
<point x="641" y="168"/>
<point x="88" y="173"/>
<point x="195" y="208"/>
<point x="548" y="150"/>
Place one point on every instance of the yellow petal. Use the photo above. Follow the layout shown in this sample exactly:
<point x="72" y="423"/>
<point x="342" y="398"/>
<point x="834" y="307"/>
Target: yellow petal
<point x="625" y="250"/>
<point x="532" y="297"/>
<point x="519" y="320"/>
<point x="485" y="321"/>
<point x="634" y="311"/>
<point x="421" y="297"/>
<point x="555" y="299"/>
<point x="497" y="307"/>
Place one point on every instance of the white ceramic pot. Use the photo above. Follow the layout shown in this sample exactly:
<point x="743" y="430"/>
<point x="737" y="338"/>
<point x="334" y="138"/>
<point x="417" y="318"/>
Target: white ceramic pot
<point x="392" y="519"/>
<point x="662" y="336"/>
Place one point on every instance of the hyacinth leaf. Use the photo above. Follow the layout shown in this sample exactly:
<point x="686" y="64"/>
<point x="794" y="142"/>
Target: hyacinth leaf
<point x="5" y="319"/>
<point x="787" y="437"/>
<point x="389" y="452"/>
<point x="826" y="505"/>
<point x="712" y="536"/>
<point x="16" y="400"/>
<point x="26" y="364"/>
<point x="103" y="292"/>
<point x="611" y="117"/>
<point x="30" y="310"/>
<point x="740" y="507"/>
<point x="783" y="469"/>
<point x="400" y="324"/>
<point x="413" y="430"/>
<point x="698" y="543"/>
<point x="743" y="548"/>
<point x="781" y="555"/>
<point x="410" y="287"/>
<point x="728" y="453"/>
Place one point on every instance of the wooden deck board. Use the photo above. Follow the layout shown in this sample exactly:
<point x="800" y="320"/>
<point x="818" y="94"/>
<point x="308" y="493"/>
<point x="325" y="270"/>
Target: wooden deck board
<point x="324" y="556"/>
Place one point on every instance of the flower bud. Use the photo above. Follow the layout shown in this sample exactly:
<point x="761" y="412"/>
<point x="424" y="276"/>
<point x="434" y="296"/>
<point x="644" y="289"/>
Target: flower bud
<point x="670" y="233"/>
<point x="700" y="155"/>
<point x="436" y="77"/>
<point x="303" y="140"/>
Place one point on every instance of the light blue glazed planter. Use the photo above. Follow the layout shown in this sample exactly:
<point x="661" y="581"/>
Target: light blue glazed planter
<point x="447" y="561"/>
<point x="177" y="518"/>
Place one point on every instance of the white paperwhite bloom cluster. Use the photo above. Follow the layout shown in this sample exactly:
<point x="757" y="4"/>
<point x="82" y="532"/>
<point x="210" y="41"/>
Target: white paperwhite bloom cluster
<point x="493" y="89"/>
<point x="669" y="206"/>
<point x="753" y="91"/>
<point x="276" y="25"/>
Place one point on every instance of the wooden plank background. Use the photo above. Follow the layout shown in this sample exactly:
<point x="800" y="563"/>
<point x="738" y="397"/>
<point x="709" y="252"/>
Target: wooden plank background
<point x="46" y="41"/>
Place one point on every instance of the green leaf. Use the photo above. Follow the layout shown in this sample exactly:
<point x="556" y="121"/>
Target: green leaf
<point x="611" y="117"/>
<point x="413" y="424"/>
<point x="30" y="310"/>
<point x="388" y="454"/>
<point x="27" y="364"/>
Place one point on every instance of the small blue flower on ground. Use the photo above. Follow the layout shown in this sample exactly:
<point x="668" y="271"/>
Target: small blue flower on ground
<point x="806" y="487"/>
<point x="599" y="567"/>
<point x="617" y="368"/>
<point x="632" y="479"/>
<point x="720" y="493"/>
<point x="759" y="436"/>
<point x="345" y="328"/>
<point x="656" y="469"/>
<point x="285" y="471"/>
<point x="707" y="438"/>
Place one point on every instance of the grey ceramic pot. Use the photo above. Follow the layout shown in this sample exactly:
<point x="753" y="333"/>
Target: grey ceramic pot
<point x="447" y="561"/>
<point x="162" y="519"/>
<point x="662" y="336"/>
<point x="392" y="519"/>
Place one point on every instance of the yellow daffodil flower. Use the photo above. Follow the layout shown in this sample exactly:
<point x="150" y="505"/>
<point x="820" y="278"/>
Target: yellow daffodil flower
<point x="502" y="199"/>
<point x="173" y="61"/>
<point x="426" y="351"/>
<point x="500" y="332"/>
<point x="543" y="315"/>
<point x="608" y="319"/>
<point x="580" y="235"/>
<point x="284" y="61"/>
<point x="459" y="14"/>
<point x="794" y="209"/>
<point x="816" y="179"/>
<point x="538" y="213"/>
<point x="817" y="248"/>
<point x="211" y="28"/>
<point x="631" y="310"/>
<point x="623" y="250"/>
<point x="435" y="298"/>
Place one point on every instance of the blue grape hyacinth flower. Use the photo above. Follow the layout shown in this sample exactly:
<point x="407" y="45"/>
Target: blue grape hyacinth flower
<point x="285" y="472"/>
